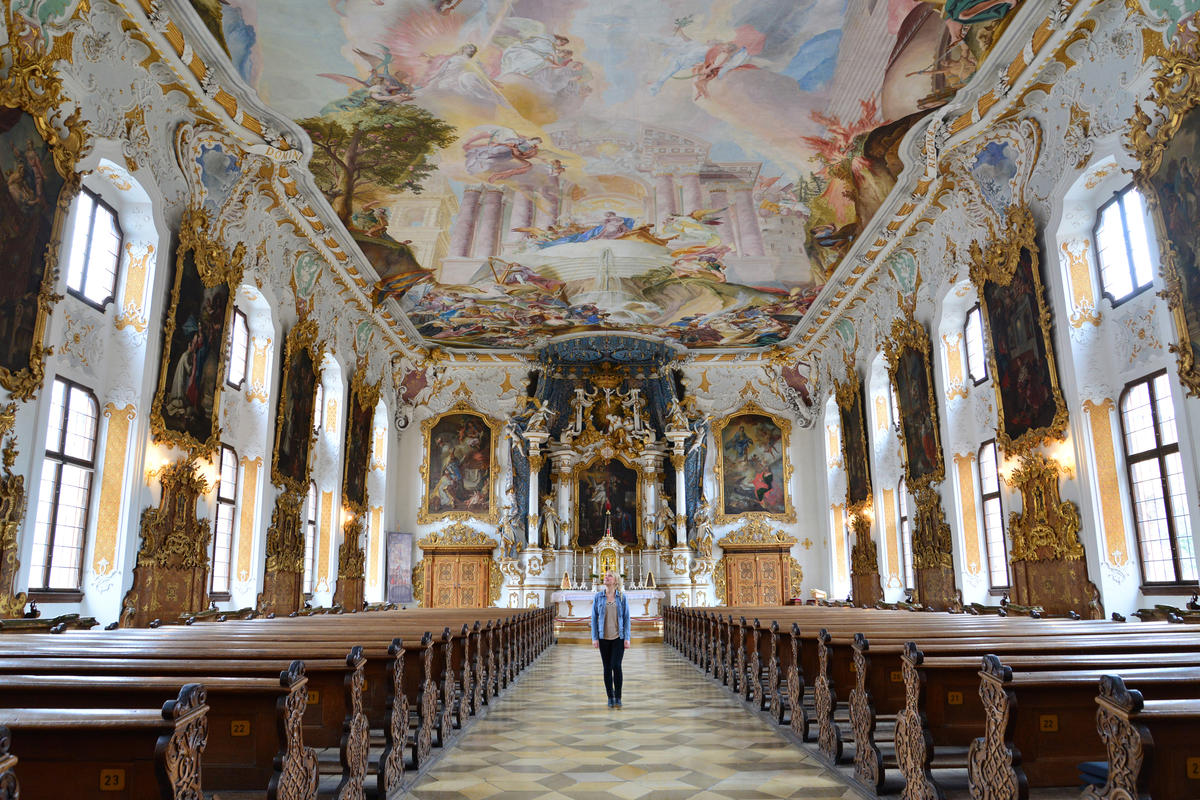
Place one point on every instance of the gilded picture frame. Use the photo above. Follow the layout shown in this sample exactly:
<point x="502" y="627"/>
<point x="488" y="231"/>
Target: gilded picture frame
<point x="855" y="454"/>
<point x="752" y="478"/>
<point x="360" y="425"/>
<point x="910" y="369"/>
<point x="1161" y="144"/>
<point x="186" y="411"/>
<point x="294" y="431"/>
<point x="45" y="148"/>
<point x="443" y="495"/>
<point x="586" y="500"/>
<point x="1030" y="407"/>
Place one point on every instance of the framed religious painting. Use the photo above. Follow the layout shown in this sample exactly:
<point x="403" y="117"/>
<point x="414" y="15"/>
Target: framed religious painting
<point x="911" y="373"/>
<point x="398" y="567"/>
<point x="460" y="471"/>
<point x="39" y="150"/>
<point x="1167" y="178"/>
<point x="752" y="466"/>
<point x="851" y="414"/>
<point x="1030" y="405"/>
<point x="186" y="408"/>
<point x="360" y="425"/>
<point x="294" y="430"/>
<point x="608" y="496"/>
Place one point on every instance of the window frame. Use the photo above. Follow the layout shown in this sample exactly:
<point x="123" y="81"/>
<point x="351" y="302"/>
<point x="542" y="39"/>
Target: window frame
<point x="1159" y="452"/>
<point x="43" y="592"/>
<point x="233" y="323"/>
<point x="907" y="570"/>
<point x="310" y="568"/>
<point x="98" y="202"/>
<point x="984" y="496"/>
<point x="318" y="420"/>
<point x="231" y="501"/>
<point x="1099" y="267"/>
<point x="987" y="374"/>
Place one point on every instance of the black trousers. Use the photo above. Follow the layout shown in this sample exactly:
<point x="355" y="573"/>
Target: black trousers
<point x="611" y="653"/>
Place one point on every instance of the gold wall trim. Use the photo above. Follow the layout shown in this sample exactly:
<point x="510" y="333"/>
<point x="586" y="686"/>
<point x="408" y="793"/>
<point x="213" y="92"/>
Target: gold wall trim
<point x="1108" y="484"/>
<point x="258" y="388"/>
<point x="374" y="539"/>
<point x="970" y="514"/>
<point x="1083" y="293"/>
<point x="251" y="467"/>
<point x="892" y="537"/>
<point x="112" y="486"/>
<point x="323" y="539"/>
<point x="956" y="384"/>
<point x="133" y="299"/>
<point x="838" y="512"/>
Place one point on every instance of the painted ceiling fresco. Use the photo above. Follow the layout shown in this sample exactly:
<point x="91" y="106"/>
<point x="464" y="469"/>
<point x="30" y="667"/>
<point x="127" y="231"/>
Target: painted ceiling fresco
<point x="517" y="169"/>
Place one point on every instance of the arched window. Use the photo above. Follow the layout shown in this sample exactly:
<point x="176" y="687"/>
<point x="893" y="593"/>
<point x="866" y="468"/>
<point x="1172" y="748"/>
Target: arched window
<point x="221" y="550"/>
<point x="239" y="350"/>
<point x="68" y="471"/>
<point x="310" y="536"/>
<point x="993" y="517"/>
<point x="906" y="558"/>
<point x="95" y="251"/>
<point x="1160" y="500"/>
<point x="976" y="354"/>
<point x="1123" y="238"/>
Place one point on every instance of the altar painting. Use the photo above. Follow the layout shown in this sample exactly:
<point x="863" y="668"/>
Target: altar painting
<point x="460" y="468"/>
<point x="918" y="416"/>
<point x="607" y="492"/>
<point x="1031" y="405"/>
<point x="569" y="107"/>
<point x="1172" y="191"/>
<point x="753" y="469"/>
<point x="294" y="432"/>
<point x="854" y="442"/>
<point x="190" y="377"/>
<point x="30" y="199"/>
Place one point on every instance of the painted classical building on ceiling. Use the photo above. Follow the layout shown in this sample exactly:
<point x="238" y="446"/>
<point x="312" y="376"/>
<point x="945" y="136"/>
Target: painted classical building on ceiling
<point x="465" y="302"/>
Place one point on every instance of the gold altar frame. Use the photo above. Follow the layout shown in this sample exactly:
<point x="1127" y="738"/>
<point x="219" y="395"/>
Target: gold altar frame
<point x="215" y="266"/>
<point x="909" y="336"/>
<point x="33" y="86"/>
<point x="1175" y="94"/>
<point x="424" y="515"/>
<point x="849" y="396"/>
<point x="785" y="431"/>
<point x="302" y="336"/>
<point x="998" y="264"/>
<point x="578" y="469"/>
<point x="365" y="397"/>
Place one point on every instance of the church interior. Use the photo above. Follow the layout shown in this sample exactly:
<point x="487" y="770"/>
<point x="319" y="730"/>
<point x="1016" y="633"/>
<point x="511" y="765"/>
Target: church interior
<point x="335" y="386"/>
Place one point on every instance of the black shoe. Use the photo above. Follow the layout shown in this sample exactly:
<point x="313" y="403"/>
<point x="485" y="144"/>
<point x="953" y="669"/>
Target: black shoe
<point x="617" y="702"/>
<point x="612" y="702"/>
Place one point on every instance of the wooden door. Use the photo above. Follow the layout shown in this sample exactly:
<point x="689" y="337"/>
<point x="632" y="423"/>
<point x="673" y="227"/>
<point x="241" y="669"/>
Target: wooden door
<point x="742" y="580"/>
<point x="769" y="580"/>
<point x="459" y="580"/>
<point x="472" y="581"/>
<point x="445" y="579"/>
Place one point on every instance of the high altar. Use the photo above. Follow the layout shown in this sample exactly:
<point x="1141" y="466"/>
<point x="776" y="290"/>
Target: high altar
<point x="606" y="446"/>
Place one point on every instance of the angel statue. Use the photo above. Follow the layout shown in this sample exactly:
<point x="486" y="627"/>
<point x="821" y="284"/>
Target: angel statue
<point x="552" y="524"/>
<point x="540" y="419"/>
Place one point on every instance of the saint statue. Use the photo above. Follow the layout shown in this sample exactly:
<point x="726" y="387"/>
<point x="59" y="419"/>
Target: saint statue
<point x="552" y="524"/>
<point x="704" y="530"/>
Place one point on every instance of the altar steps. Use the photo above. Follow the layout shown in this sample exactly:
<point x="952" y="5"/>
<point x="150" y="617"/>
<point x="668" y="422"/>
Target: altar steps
<point x="645" y="630"/>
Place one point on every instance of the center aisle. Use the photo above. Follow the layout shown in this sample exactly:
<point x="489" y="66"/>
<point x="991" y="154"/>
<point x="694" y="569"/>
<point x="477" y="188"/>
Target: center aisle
<point x="677" y="736"/>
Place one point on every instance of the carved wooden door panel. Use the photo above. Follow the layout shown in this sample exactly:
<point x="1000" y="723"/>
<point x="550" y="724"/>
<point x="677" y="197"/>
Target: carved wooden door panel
<point x="445" y="579"/>
<point x="742" y="578"/>
<point x="770" y="584"/>
<point x="472" y="581"/>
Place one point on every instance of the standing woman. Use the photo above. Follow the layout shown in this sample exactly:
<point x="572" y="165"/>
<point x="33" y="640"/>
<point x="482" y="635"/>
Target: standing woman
<point x="610" y="633"/>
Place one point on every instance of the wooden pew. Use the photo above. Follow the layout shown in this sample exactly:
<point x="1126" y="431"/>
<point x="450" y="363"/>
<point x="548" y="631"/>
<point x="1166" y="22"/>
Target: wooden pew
<point x="111" y="752"/>
<point x="9" y="786"/>
<point x="255" y="738"/>
<point x="1151" y="744"/>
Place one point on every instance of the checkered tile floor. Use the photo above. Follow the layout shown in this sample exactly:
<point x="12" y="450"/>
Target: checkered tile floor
<point x="678" y="735"/>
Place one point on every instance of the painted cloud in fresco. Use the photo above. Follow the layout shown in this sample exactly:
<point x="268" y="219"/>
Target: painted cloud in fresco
<point x="516" y="169"/>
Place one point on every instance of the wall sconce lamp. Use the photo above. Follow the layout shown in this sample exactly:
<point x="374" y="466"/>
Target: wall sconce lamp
<point x="1063" y="454"/>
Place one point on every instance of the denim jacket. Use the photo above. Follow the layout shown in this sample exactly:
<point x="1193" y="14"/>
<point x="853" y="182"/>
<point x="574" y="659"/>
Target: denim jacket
<point x="598" y="607"/>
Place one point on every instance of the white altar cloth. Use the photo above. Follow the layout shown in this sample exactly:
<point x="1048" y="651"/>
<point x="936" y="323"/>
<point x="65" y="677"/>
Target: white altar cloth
<point x="573" y="604"/>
